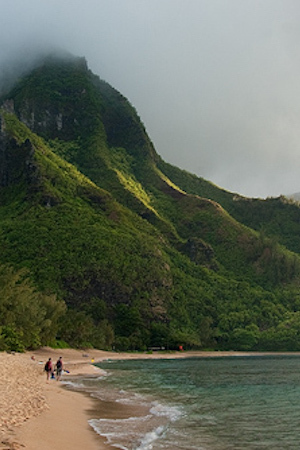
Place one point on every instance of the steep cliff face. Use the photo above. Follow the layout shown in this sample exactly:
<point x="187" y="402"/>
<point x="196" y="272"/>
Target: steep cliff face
<point x="54" y="100"/>
<point x="91" y="210"/>
<point x="16" y="160"/>
<point x="88" y="123"/>
<point x="63" y="99"/>
<point x="74" y="237"/>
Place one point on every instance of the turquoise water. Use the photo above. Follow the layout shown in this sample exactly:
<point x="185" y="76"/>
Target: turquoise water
<point x="203" y="403"/>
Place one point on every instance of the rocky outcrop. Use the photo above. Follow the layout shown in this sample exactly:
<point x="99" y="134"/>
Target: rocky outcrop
<point x="200" y="252"/>
<point x="16" y="160"/>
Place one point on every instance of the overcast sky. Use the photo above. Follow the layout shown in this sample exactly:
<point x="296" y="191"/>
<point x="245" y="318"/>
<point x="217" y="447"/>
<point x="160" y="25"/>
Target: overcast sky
<point x="215" y="82"/>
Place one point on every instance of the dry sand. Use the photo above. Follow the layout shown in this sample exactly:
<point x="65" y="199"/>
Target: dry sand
<point x="36" y="414"/>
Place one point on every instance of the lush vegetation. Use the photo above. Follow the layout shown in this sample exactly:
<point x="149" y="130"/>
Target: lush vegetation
<point x="28" y="317"/>
<point x="278" y="218"/>
<point x="104" y="244"/>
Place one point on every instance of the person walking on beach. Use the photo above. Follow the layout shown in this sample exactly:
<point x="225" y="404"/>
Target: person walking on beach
<point x="59" y="368"/>
<point x="48" y="368"/>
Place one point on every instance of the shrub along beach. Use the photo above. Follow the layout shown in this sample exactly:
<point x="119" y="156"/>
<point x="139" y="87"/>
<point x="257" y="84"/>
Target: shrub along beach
<point x="105" y="245"/>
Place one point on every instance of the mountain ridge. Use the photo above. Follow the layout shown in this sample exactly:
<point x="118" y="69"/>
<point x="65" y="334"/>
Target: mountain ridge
<point x="143" y="253"/>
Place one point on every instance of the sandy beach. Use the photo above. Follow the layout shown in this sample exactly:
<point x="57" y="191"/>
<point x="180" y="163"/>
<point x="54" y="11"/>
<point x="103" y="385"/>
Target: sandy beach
<point x="37" y="414"/>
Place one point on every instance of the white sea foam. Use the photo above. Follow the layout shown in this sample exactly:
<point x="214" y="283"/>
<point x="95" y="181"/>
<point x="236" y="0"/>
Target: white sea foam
<point x="101" y="377"/>
<point x="150" y="437"/>
<point x="121" y="396"/>
<point x="137" y="432"/>
<point x="73" y="384"/>
<point x="129" y="398"/>
<point x="98" y="396"/>
<point x="103" y="372"/>
<point x="171" y="412"/>
<point x="118" y="431"/>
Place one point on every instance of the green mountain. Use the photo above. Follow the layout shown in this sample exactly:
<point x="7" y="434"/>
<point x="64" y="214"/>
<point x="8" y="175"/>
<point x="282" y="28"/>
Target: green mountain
<point x="103" y="243"/>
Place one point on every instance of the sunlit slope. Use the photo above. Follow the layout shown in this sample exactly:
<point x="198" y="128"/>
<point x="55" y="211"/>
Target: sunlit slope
<point x="77" y="241"/>
<point x="140" y="249"/>
<point x="69" y="232"/>
<point x="276" y="218"/>
<point x="94" y="127"/>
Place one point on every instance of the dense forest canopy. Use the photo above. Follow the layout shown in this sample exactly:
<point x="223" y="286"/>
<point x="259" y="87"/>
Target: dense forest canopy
<point x="104" y="244"/>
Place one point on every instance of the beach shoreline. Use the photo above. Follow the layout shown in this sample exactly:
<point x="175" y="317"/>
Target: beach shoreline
<point x="34" y="411"/>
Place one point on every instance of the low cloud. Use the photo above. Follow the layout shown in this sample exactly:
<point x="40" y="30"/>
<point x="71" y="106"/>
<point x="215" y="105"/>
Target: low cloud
<point x="216" y="82"/>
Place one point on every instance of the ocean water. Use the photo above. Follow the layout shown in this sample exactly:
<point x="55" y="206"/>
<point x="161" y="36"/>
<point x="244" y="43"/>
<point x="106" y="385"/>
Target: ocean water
<point x="217" y="403"/>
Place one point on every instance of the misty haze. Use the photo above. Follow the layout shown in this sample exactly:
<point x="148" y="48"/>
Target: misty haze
<point x="138" y="141"/>
<point x="216" y="83"/>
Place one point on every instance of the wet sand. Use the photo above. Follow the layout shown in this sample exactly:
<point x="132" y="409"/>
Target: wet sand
<point x="36" y="414"/>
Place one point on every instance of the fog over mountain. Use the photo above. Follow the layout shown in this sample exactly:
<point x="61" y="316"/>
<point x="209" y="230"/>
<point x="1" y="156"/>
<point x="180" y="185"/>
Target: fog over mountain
<point x="216" y="83"/>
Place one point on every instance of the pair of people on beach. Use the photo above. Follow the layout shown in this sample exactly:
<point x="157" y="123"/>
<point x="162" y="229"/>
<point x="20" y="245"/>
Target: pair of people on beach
<point x="50" y="370"/>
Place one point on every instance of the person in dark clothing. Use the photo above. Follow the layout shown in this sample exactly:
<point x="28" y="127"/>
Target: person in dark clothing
<point x="49" y="368"/>
<point x="59" y="368"/>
